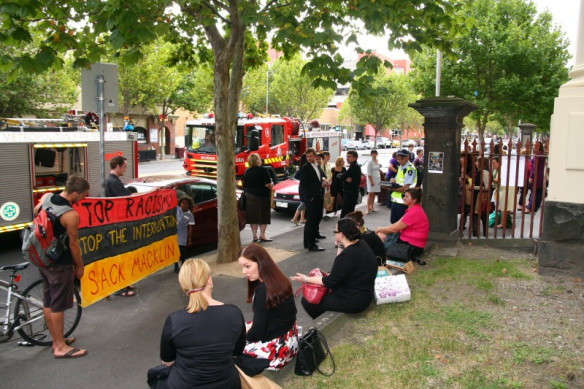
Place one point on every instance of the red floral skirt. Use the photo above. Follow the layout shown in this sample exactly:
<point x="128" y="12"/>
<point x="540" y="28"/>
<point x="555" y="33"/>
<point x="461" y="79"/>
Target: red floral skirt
<point x="279" y="351"/>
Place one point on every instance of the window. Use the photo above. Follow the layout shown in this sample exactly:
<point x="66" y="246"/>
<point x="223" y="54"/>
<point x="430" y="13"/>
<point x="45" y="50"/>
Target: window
<point x="203" y="192"/>
<point x="277" y="134"/>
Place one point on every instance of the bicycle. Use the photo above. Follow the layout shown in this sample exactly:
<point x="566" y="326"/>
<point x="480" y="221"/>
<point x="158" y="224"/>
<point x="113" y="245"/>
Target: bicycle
<point x="28" y="316"/>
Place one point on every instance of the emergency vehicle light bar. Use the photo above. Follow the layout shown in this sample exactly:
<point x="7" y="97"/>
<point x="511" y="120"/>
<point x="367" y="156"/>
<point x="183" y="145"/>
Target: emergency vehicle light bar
<point x="14" y="227"/>
<point x="58" y="145"/>
<point x="51" y="189"/>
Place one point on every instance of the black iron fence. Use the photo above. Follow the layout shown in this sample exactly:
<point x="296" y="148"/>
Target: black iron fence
<point x="503" y="186"/>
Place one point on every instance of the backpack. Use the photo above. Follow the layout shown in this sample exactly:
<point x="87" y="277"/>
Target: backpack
<point x="40" y="246"/>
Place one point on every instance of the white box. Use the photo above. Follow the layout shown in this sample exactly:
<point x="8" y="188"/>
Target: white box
<point x="392" y="289"/>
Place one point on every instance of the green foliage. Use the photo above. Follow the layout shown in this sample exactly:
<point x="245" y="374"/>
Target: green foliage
<point x="511" y="62"/>
<point x="384" y="102"/>
<point x="49" y="94"/>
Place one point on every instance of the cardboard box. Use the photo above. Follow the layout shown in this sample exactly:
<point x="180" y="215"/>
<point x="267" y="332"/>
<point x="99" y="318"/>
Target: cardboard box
<point x="392" y="289"/>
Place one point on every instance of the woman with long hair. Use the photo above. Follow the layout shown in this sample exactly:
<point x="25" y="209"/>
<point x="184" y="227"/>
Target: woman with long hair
<point x="199" y="342"/>
<point x="352" y="276"/>
<point x="272" y="335"/>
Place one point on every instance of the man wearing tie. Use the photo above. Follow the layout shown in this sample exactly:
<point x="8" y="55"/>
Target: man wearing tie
<point x="311" y="190"/>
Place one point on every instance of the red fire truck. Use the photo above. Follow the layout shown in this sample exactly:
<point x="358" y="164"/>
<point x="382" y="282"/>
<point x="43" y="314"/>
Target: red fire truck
<point x="39" y="157"/>
<point x="278" y="141"/>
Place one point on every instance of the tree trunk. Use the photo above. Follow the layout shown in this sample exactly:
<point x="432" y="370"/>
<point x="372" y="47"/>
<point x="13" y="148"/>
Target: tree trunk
<point x="228" y="70"/>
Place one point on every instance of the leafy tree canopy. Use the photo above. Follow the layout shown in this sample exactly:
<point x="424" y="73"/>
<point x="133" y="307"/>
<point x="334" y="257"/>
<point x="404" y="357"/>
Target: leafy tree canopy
<point x="231" y="32"/>
<point x="511" y="63"/>
<point x="386" y="103"/>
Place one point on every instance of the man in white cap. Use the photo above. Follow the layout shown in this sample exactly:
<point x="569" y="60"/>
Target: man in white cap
<point x="406" y="177"/>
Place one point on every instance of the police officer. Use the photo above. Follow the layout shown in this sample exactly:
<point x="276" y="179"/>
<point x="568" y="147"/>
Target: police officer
<point x="406" y="177"/>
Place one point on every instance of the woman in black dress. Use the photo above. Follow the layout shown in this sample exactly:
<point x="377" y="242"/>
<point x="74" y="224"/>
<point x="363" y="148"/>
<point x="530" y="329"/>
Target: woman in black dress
<point x="352" y="277"/>
<point x="272" y="335"/>
<point x="337" y="185"/>
<point x="258" y="188"/>
<point x="199" y="342"/>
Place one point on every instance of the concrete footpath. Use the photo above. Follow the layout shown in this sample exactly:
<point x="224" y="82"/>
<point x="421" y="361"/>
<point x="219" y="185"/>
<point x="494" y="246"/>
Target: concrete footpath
<point x="122" y="335"/>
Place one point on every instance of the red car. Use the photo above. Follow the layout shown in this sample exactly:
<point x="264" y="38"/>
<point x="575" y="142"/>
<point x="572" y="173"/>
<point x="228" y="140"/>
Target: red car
<point x="287" y="197"/>
<point x="204" y="193"/>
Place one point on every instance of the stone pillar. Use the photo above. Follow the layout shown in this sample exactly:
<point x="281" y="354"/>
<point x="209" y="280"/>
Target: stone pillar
<point x="562" y="242"/>
<point x="442" y="126"/>
<point x="527" y="133"/>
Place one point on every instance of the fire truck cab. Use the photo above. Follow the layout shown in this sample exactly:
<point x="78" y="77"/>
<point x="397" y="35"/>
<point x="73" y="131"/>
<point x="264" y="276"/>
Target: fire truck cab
<point x="278" y="141"/>
<point x="38" y="159"/>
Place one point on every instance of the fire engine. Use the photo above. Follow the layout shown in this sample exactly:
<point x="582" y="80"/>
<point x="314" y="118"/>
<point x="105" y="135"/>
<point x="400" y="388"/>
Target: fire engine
<point x="37" y="156"/>
<point x="278" y="141"/>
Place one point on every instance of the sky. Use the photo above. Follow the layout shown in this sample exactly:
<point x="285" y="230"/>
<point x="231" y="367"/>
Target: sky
<point x="564" y="13"/>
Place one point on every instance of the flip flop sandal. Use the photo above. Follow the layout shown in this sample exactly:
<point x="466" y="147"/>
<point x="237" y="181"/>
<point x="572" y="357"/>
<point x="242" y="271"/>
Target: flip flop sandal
<point x="71" y="354"/>
<point x="125" y="293"/>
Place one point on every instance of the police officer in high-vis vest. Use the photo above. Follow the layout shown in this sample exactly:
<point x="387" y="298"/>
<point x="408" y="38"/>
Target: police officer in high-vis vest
<point x="406" y="177"/>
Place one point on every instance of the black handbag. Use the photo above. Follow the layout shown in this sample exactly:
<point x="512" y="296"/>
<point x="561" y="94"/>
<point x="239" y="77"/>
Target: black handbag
<point x="157" y="375"/>
<point x="311" y="353"/>
<point x="399" y="252"/>
<point x="243" y="202"/>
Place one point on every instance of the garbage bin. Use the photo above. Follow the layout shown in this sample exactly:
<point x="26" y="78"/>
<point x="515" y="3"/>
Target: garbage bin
<point x="179" y="152"/>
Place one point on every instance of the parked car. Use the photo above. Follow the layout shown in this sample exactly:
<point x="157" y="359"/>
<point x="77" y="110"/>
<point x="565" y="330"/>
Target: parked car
<point x="287" y="195"/>
<point x="367" y="144"/>
<point x="408" y="142"/>
<point x="353" y="144"/>
<point x="204" y="193"/>
<point x="383" y="142"/>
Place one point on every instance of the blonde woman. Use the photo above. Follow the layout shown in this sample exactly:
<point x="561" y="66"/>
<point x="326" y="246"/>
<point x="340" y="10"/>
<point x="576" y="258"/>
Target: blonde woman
<point x="258" y="189"/>
<point x="199" y="342"/>
<point x="336" y="185"/>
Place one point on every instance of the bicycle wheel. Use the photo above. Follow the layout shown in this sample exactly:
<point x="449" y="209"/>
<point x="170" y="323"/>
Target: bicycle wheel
<point x="37" y="332"/>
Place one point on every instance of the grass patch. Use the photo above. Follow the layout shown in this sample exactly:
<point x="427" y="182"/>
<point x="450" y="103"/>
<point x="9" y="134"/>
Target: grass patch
<point x="452" y="333"/>
<point x="523" y="352"/>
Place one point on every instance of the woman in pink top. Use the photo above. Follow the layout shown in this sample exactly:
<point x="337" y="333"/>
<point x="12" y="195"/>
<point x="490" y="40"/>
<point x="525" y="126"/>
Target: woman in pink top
<point x="413" y="228"/>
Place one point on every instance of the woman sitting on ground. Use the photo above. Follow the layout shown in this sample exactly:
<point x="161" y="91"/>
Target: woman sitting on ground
<point x="272" y="335"/>
<point x="413" y="228"/>
<point x="199" y="342"/>
<point x="370" y="237"/>
<point x="352" y="277"/>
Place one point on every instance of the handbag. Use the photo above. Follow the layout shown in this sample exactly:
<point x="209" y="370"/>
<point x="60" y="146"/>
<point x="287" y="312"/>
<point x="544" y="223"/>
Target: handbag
<point x="313" y="293"/>
<point x="157" y="375"/>
<point x="398" y="252"/>
<point x="311" y="353"/>
<point x="243" y="201"/>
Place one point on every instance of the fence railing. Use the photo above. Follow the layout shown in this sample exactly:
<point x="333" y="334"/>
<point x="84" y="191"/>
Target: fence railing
<point x="503" y="189"/>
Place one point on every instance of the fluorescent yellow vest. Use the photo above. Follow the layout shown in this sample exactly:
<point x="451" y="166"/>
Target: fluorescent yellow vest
<point x="397" y="197"/>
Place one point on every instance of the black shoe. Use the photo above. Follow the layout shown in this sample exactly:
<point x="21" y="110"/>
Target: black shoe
<point x="320" y="237"/>
<point x="316" y="241"/>
<point x="176" y="268"/>
<point x="421" y="262"/>
<point x="316" y="248"/>
<point x="325" y="218"/>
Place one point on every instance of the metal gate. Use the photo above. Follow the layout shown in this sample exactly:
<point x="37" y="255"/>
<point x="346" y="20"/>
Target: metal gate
<point x="503" y="186"/>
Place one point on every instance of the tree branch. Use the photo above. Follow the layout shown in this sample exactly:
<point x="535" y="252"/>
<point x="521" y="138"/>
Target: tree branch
<point x="214" y="10"/>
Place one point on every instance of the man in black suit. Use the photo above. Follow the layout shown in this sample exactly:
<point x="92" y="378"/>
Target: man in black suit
<point x="311" y="194"/>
